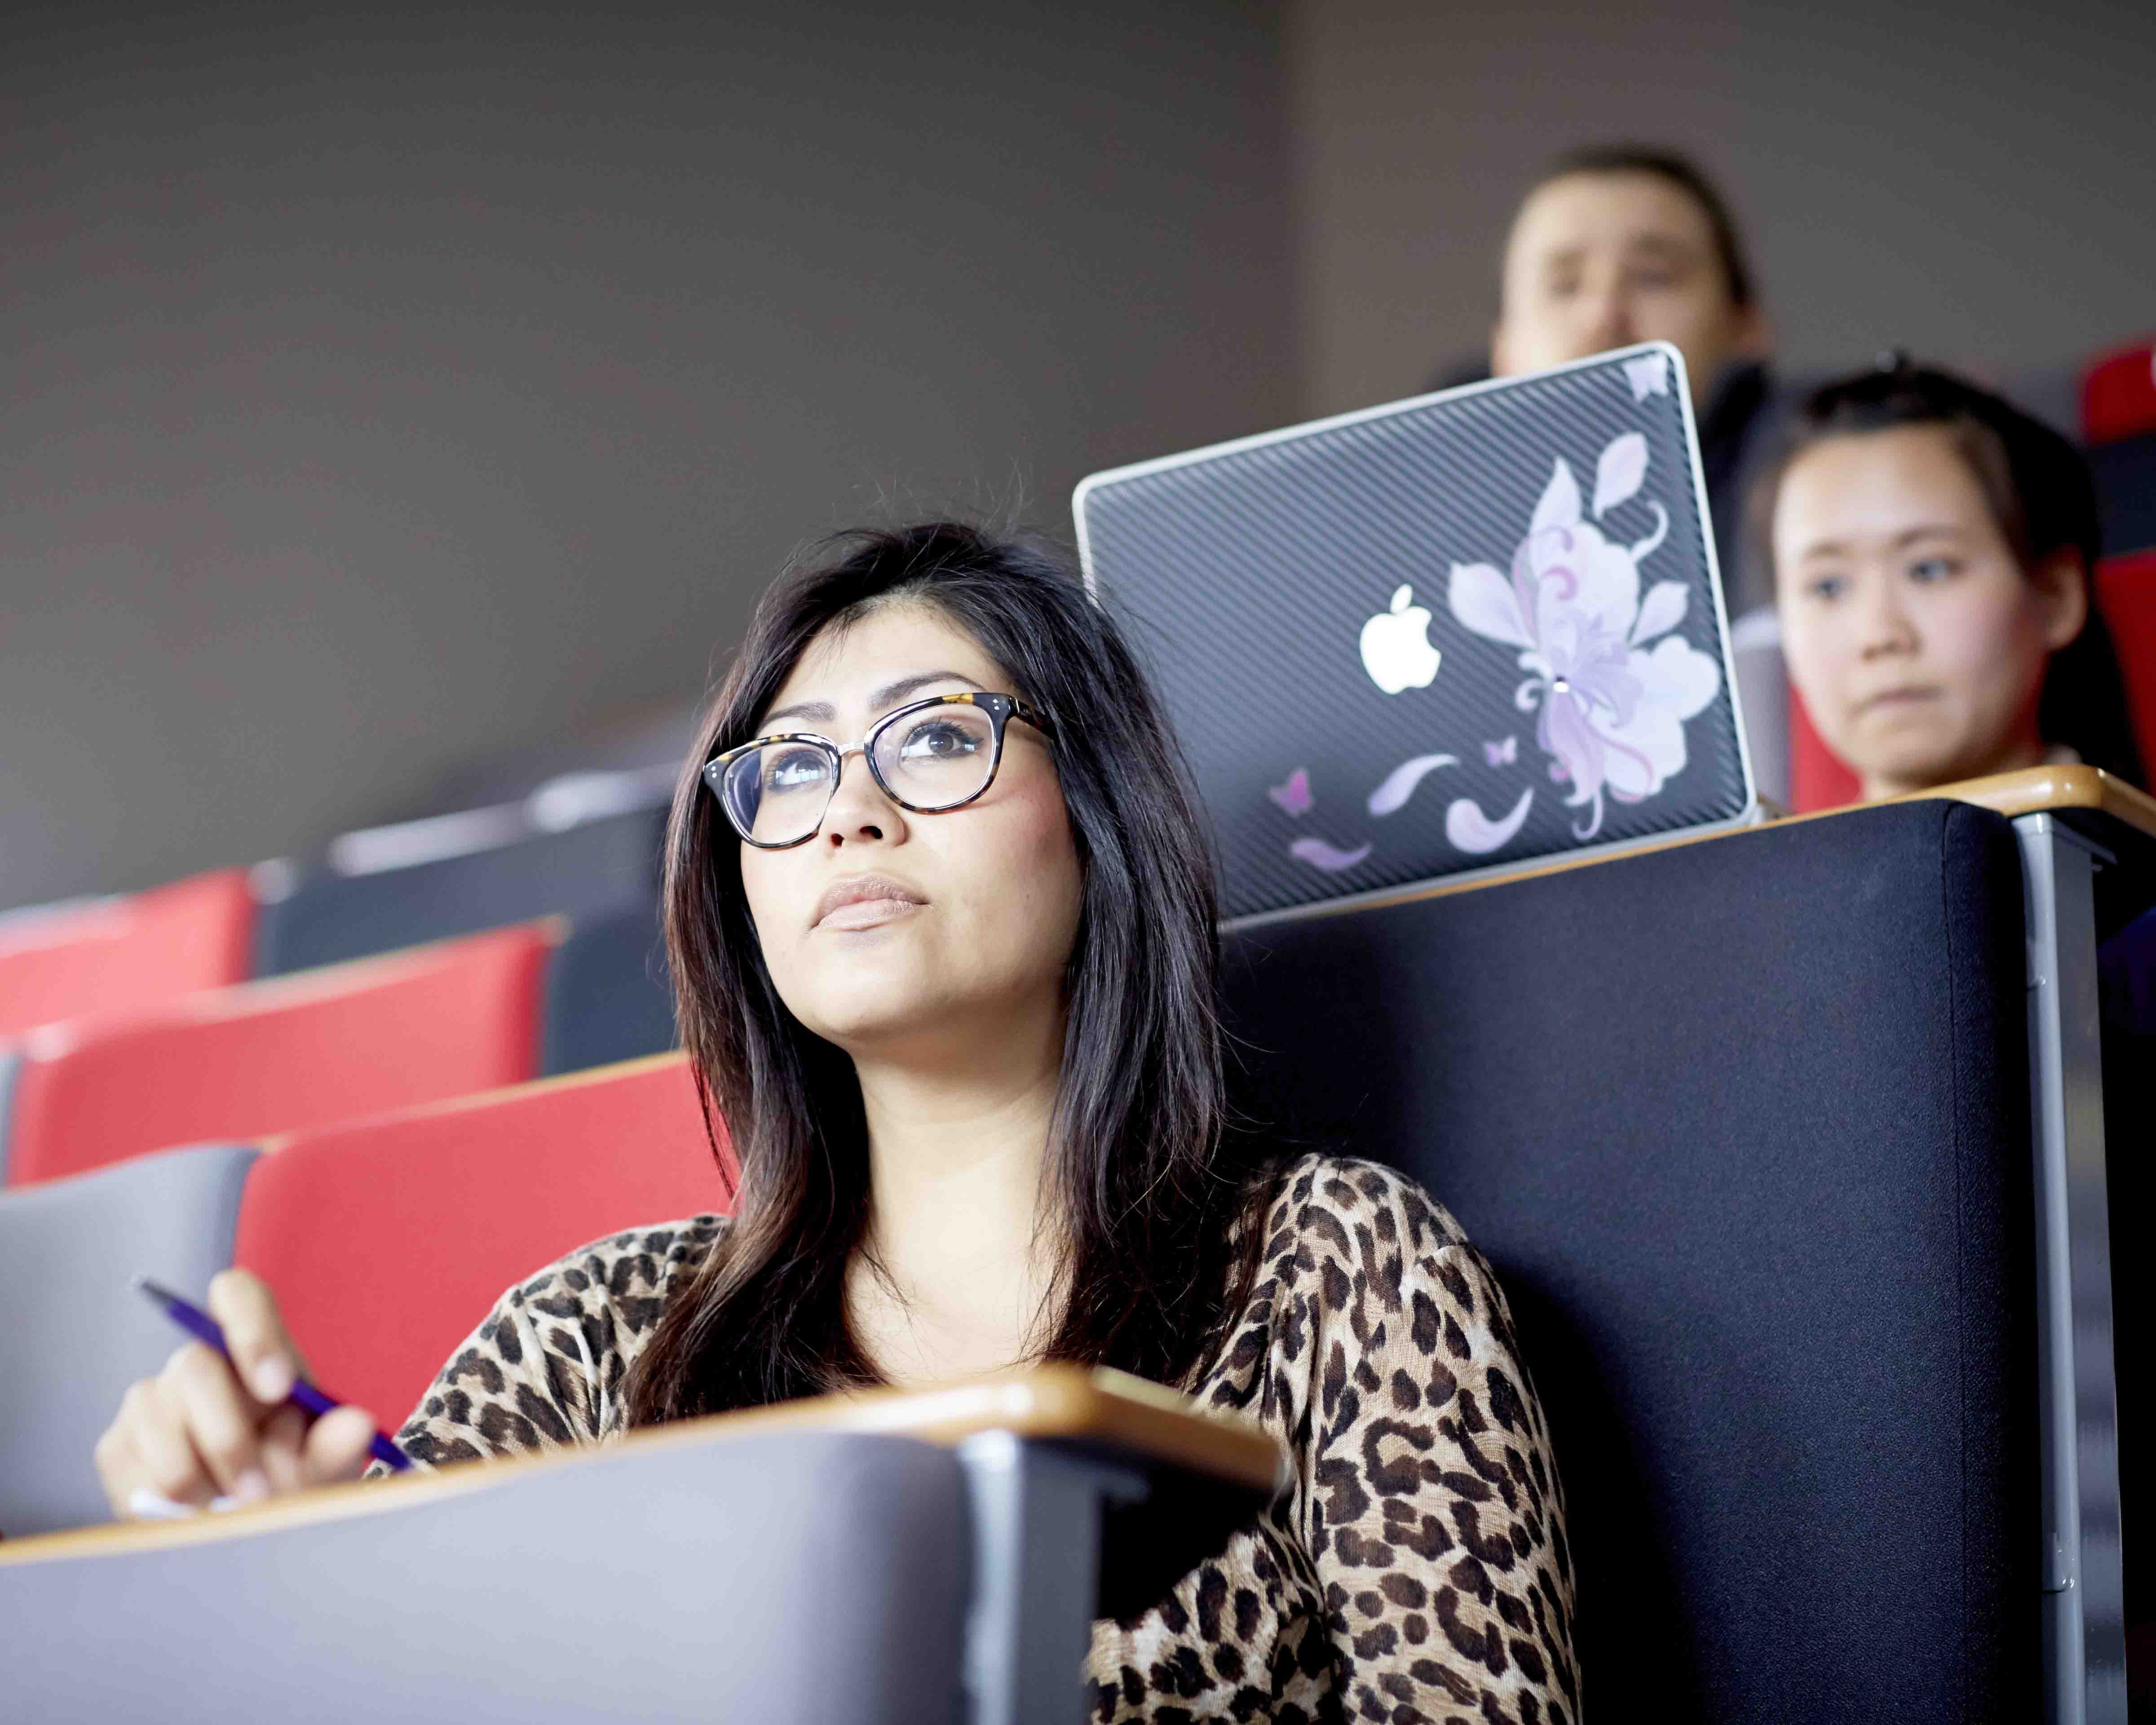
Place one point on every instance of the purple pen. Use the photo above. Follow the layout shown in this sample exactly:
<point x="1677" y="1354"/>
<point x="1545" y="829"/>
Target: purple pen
<point x="204" y="1327"/>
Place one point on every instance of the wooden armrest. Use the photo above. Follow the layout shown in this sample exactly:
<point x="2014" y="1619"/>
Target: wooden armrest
<point x="1105" y="1411"/>
<point x="2064" y="790"/>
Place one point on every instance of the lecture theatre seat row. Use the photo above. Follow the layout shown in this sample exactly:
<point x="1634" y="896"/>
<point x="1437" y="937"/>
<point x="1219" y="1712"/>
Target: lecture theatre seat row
<point x="386" y="1240"/>
<point x="132" y="952"/>
<point x="347" y="1040"/>
<point x="1746" y="1124"/>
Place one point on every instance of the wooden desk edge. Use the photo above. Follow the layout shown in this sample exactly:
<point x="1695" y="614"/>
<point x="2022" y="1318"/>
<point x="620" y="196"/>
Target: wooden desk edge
<point x="2030" y="790"/>
<point x="2035" y="789"/>
<point x="1105" y="1409"/>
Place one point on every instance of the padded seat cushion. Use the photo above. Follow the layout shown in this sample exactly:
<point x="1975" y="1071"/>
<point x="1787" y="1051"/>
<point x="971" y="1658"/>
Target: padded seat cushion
<point x="1743" y="1127"/>
<point x="389" y="1240"/>
<point x="274" y="1056"/>
<point x="122" y="954"/>
<point x="79" y="1334"/>
<point x="597" y="866"/>
<point x="776" y="1578"/>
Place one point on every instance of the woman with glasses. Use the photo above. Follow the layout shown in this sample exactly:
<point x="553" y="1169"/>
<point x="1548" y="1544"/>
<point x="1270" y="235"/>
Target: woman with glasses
<point x="940" y="915"/>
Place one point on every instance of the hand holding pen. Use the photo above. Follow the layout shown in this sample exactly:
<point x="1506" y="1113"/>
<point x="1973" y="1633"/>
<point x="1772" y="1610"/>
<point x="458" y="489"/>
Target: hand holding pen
<point x="223" y="1420"/>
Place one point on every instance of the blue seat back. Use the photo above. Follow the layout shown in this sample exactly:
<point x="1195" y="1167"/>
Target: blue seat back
<point x="600" y="865"/>
<point x="609" y="997"/>
<point x="1743" y="1126"/>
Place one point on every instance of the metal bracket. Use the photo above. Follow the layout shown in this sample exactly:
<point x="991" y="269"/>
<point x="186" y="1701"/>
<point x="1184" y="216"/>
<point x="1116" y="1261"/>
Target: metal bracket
<point x="2084" y="1631"/>
<point x="1037" y="1520"/>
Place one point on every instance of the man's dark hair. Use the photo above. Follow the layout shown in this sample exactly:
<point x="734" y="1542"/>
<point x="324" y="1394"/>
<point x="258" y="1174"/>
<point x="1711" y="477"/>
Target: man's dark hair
<point x="1681" y="172"/>
<point x="2038" y="490"/>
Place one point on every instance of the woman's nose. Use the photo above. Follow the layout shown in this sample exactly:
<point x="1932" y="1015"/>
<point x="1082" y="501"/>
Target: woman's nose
<point x="1884" y="623"/>
<point x="858" y="810"/>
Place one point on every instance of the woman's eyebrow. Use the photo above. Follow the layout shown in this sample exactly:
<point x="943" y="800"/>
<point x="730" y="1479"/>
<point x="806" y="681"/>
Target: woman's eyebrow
<point x="822" y="711"/>
<point x="881" y="700"/>
<point x="1928" y="530"/>
<point x="894" y="692"/>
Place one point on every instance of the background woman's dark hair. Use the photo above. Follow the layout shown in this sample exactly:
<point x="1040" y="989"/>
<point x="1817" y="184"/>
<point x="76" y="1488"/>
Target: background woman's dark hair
<point x="1136" y="1158"/>
<point x="2039" y="491"/>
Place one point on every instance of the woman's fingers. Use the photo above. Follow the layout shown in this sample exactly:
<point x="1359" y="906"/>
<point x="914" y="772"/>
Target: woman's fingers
<point x="284" y="1449"/>
<point x="219" y="1418"/>
<point x="148" y="1445"/>
<point x="254" y="1334"/>
<point x="336" y="1446"/>
<point x="208" y="1427"/>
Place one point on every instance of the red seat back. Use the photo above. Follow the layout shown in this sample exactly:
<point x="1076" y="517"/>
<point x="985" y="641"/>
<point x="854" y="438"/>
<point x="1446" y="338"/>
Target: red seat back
<point x="387" y="1241"/>
<point x="122" y="954"/>
<point x="282" y="1054"/>
<point x="2119" y="394"/>
<point x="1818" y="778"/>
<point x="2126" y="594"/>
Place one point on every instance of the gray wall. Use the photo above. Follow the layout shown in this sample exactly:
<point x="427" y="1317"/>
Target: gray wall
<point x="385" y="387"/>
<point x="1972" y="182"/>
<point x="390" y="390"/>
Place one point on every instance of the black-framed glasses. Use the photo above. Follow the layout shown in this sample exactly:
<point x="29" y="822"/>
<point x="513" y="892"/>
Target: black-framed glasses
<point x="928" y="756"/>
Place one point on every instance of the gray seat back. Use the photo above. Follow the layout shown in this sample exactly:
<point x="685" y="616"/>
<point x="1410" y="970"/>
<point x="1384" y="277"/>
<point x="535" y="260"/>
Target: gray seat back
<point x="81" y="1334"/>
<point x="764" y="1578"/>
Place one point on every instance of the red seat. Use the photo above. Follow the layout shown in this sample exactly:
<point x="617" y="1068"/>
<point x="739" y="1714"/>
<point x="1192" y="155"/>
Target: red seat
<point x="2119" y="394"/>
<point x="282" y="1054"/>
<point x="387" y="1241"/>
<point x="120" y="954"/>
<point x="1818" y="779"/>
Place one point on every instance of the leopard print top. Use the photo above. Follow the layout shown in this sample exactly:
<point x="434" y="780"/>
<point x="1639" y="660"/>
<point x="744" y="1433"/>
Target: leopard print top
<point x="1416" y="1569"/>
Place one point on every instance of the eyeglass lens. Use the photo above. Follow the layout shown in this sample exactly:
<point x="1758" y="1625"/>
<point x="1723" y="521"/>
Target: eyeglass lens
<point x="929" y="760"/>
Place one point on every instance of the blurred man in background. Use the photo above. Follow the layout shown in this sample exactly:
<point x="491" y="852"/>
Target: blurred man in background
<point x="1619" y="243"/>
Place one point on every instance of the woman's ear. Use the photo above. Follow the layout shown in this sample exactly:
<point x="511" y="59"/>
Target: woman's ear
<point x="2060" y="584"/>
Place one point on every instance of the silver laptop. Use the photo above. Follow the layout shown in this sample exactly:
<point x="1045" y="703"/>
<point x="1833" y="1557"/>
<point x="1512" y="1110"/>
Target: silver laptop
<point x="1446" y="637"/>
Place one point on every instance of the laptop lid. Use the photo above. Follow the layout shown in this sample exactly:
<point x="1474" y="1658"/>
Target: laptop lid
<point x="1445" y="637"/>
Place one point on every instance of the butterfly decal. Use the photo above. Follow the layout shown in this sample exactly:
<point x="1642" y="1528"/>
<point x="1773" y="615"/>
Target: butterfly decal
<point x="1294" y="797"/>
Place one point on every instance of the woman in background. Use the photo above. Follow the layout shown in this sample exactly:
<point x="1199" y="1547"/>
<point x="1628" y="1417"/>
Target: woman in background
<point x="1931" y="548"/>
<point x="941" y="918"/>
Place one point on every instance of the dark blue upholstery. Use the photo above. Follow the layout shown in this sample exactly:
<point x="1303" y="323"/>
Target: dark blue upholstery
<point x="609" y="997"/>
<point x="77" y="1333"/>
<point x="2126" y="492"/>
<point x="1743" y="1126"/>
<point x="597" y="866"/>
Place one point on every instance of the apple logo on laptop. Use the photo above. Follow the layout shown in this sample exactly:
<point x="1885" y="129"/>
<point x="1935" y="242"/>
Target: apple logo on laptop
<point x="1396" y="648"/>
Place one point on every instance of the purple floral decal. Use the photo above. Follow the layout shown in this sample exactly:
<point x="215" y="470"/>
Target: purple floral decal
<point x="1611" y="697"/>
<point x="1471" y="830"/>
<point x="1294" y="797"/>
<point x="1400" y="782"/>
<point x="1648" y="375"/>
<point x="1321" y="855"/>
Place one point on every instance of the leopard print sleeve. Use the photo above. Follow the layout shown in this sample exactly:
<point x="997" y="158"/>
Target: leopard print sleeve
<point x="544" y="1368"/>
<point x="1432" y="1509"/>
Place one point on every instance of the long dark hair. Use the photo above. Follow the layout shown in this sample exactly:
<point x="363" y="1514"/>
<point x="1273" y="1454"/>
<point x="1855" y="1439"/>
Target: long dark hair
<point x="1138" y="1165"/>
<point x="2038" y="490"/>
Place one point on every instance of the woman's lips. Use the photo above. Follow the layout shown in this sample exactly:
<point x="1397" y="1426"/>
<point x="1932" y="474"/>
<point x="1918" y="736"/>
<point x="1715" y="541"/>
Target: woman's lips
<point x="869" y="912"/>
<point x="1893" y="699"/>
<point x="865" y="901"/>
